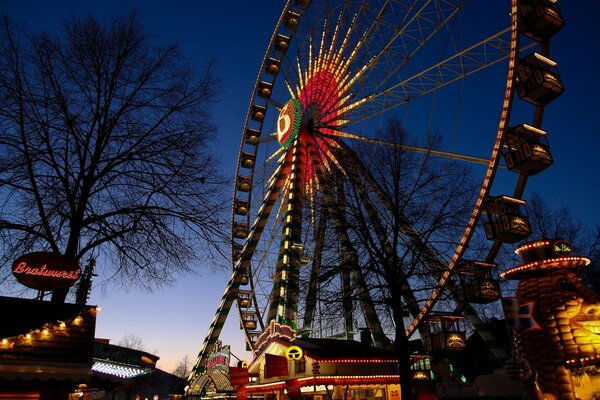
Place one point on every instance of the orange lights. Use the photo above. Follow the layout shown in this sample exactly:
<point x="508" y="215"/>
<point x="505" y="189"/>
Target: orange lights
<point x="583" y="361"/>
<point x="548" y="264"/>
<point x="349" y="380"/>
<point x="358" y="360"/>
<point x="539" y="243"/>
<point x="44" y="332"/>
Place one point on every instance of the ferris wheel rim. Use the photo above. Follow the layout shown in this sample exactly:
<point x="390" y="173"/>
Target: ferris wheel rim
<point x="239" y="257"/>
<point x="256" y="89"/>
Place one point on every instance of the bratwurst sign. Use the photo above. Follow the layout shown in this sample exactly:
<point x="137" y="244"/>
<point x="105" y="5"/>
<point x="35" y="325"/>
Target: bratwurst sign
<point x="46" y="271"/>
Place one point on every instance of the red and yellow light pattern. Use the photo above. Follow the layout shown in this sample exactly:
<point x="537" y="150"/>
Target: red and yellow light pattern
<point x="324" y="92"/>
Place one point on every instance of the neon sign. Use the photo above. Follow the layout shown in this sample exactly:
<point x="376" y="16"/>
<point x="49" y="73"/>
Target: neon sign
<point x="562" y="248"/>
<point x="46" y="271"/>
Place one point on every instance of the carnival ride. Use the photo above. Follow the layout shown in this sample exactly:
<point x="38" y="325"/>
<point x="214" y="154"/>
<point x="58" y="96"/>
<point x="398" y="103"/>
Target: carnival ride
<point x="332" y="72"/>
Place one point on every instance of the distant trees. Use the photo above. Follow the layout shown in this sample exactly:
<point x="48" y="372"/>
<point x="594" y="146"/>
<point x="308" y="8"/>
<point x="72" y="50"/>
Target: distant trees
<point x="183" y="368"/>
<point x="105" y="151"/>
<point x="132" y="341"/>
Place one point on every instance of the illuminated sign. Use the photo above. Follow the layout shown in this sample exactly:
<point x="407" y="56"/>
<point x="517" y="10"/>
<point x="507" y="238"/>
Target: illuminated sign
<point x="316" y="388"/>
<point x="294" y="353"/>
<point x="562" y="248"/>
<point x="393" y="392"/>
<point x="455" y="341"/>
<point x="288" y="123"/>
<point x="421" y="375"/>
<point x="219" y="360"/>
<point x="46" y="271"/>
<point x="489" y="288"/>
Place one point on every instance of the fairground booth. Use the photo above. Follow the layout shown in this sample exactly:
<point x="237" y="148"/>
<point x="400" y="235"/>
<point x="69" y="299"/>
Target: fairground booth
<point x="286" y="366"/>
<point x="46" y="348"/>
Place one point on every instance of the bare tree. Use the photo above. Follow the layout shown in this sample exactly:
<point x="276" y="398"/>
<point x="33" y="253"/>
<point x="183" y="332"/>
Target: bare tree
<point x="560" y="223"/>
<point x="132" y="341"/>
<point x="105" y="150"/>
<point x="183" y="368"/>
<point x="404" y="212"/>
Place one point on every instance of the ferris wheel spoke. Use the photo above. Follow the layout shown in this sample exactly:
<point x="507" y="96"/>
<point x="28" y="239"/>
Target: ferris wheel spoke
<point x="273" y="190"/>
<point x="428" y="151"/>
<point x="433" y="261"/>
<point x="457" y="67"/>
<point x="313" y="283"/>
<point x="360" y="169"/>
<point x="350" y="260"/>
<point x="416" y="31"/>
<point x="284" y="299"/>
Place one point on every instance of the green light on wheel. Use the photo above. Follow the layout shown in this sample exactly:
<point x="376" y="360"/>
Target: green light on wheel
<point x="288" y="123"/>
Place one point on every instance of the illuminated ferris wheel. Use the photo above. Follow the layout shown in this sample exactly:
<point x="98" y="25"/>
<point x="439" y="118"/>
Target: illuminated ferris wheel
<point x="332" y="74"/>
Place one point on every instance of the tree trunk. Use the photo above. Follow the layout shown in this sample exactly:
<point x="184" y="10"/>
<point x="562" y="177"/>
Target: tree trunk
<point x="402" y="353"/>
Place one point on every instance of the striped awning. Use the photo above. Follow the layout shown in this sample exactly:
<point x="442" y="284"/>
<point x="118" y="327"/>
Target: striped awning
<point x="220" y="380"/>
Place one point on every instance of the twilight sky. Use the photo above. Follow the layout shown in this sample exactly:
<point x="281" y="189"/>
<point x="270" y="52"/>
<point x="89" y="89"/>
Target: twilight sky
<point x="172" y="322"/>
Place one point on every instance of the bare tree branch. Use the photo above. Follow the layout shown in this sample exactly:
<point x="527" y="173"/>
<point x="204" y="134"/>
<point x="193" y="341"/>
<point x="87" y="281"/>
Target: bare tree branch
<point x="106" y="150"/>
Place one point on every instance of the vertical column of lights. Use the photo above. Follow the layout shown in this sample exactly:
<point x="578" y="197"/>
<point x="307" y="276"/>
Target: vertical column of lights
<point x="329" y="201"/>
<point x="489" y="176"/>
<point x="287" y="308"/>
<point x="45" y="332"/>
<point x="278" y="186"/>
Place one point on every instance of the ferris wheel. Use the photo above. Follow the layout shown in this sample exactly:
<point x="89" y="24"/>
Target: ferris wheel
<point x="332" y="75"/>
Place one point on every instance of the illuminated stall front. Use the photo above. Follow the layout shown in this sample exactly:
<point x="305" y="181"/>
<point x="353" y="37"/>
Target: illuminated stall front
<point x="289" y="367"/>
<point x="215" y="383"/>
<point x="46" y="348"/>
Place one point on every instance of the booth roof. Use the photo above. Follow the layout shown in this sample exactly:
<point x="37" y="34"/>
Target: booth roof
<point x="329" y="349"/>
